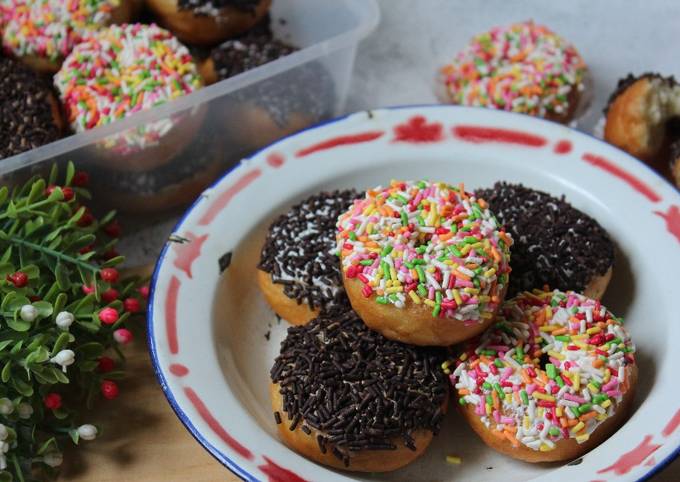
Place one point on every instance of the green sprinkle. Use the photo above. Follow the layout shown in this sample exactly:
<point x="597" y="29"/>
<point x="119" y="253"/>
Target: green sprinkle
<point x="585" y="408"/>
<point x="559" y="381"/>
<point x="499" y="389"/>
<point x="421" y="250"/>
<point x="421" y="273"/>
<point x="386" y="270"/>
<point x="486" y="386"/>
<point x="554" y="431"/>
<point x="382" y="300"/>
<point x="564" y="338"/>
<point x="462" y="401"/>
<point x="438" y="297"/>
<point x="488" y="352"/>
<point x="422" y="291"/>
<point x="366" y="262"/>
<point x="352" y="236"/>
<point x="386" y="250"/>
<point x="489" y="400"/>
<point x="455" y="251"/>
<point x="420" y="220"/>
<point x="524" y="396"/>
<point x="404" y="218"/>
<point x="498" y="363"/>
<point x="550" y="370"/>
<point x="436" y="310"/>
<point x="401" y="198"/>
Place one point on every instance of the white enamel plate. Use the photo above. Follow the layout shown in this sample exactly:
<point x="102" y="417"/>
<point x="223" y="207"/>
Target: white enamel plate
<point x="213" y="338"/>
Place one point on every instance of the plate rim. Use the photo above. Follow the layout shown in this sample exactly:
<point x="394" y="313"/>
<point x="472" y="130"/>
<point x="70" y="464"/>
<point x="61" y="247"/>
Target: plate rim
<point x="184" y="418"/>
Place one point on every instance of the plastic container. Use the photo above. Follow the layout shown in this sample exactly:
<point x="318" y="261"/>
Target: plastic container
<point x="203" y="134"/>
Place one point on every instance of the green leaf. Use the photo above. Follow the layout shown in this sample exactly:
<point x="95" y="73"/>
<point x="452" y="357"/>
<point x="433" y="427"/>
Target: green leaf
<point x="6" y="268"/>
<point x="11" y="210"/>
<point x="31" y="270"/>
<point x="40" y="355"/>
<point x="49" y="445"/>
<point x="88" y="366"/>
<point x="60" y="413"/>
<point x="62" y="275"/>
<point x="108" y="217"/>
<point x="17" y="347"/>
<point x="75" y="436"/>
<point x="54" y="174"/>
<point x="70" y="172"/>
<point x="85" y="306"/>
<point x="24" y="388"/>
<point x="44" y="308"/>
<point x="115" y="375"/>
<point x="6" y="371"/>
<point x="5" y="343"/>
<point x="59" y="303"/>
<point x="6" y="476"/>
<point x="6" y="255"/>
<point x="17" y="324"/>
<point x="89" y="350"/>
<point x="14" y="301"/>
<point x="76" y="216"/>
<point x="4" y="193"/>
<point x="113" y="262"/>
<point x="61" y="342"/>
<point x="59" y="375"/>
<point x="37" y="190"/>
<point x="56" y="195"/>
<point x="83" y="241"/>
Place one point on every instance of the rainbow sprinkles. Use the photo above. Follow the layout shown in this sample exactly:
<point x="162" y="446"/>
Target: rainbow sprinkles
<point x="428" y="244"/>
<point x="587" y="365"/>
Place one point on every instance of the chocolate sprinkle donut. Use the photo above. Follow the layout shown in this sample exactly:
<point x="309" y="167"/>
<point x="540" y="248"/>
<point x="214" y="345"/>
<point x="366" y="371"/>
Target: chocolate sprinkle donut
<point x="298" y="250"/>
<point x="359" y="389"/>
<point x="554" y="243"/>
<point x="26" y="117"/>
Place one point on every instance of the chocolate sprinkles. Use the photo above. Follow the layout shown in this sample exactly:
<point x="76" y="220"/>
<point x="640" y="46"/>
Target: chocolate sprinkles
<point x="213" y="7"/>
<point x="299" y="250"/>
<point x="554" y="243"/>
<point x="356" y="388"/>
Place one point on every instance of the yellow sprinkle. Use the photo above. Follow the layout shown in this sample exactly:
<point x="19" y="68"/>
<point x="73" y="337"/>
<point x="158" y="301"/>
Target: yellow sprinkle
<point x="593" y="330"/>
<point x="543" y="396"/>
<point x="388" y="283"/>
<point x="487" y="315"/>
<point x="607" y="375"/>
<point x="545" y="448"/>
<point x="577" y="381"/>
<point x="463" y="357"/>
<point x="456" y="296"/>
<point x="549" y="328"/>
<point x="452" y="459"/>
<point x="393" y="273"/>
<point x="472" y="291"/>
<point x="429" y="302"/>
<point x="554" y="354"/>
<point x="548" y="312"/>
<point x="606" y="404"/>
<point x="558" y="411"/>
<point x="488" y="410"/>
<point x="490" y="272"/>
<point x="526" y="422"/>
<point x="465" y="249"/>
<point x="431" y="269"/>
<point x="394" y="289"/>
<point x="593" y="388"/>
<point x="600" y="417"/>
<point x="578" y="337"/>
<point x="582" y="438"/>
<point x="396" y="282"/>
<point x="578" y="427"/>
<point x="414" y="297"/>
<point x="484" y="298"/>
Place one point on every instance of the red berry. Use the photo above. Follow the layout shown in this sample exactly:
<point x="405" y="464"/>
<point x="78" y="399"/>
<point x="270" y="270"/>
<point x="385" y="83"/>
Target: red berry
<point x="111" y="253"/>
<point x="109" y="389"/>
<point x="49" y="190"/>
<point x="113" y="229"/>
<point x="81" y="179"/>
<point x="85" y="249"/>
<point x="106" y="364"/>
<point x="68" y="193"/>
<point x="87" y="289"/>
<point x="108" y="316"/>
<point x="144" y="291"/>
<point x="52" y="401"/>
<point x="110" y="295"/>
<point x="18" y="279"/>
<point x="131" y="305"/>
<point x="110" y="275"/>
<point x="123" y="336"/>
<point x="86" y="219"/>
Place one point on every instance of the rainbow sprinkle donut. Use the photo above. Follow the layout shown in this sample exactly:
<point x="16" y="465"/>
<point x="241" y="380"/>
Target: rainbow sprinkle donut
<point x="423" y="262"/>
<point x="51" y="28"/>
<point x="553" y="369"/>
<point x="522" y="68"/>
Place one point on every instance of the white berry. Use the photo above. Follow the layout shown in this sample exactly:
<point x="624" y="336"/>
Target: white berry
<point x="64" y="358"/>
<point x="53" y="459"/>
<point x="64" y="320"/>
<point x="3" y="432"/>
<point x="87" y="432"/>
<point x="6" y="406"/>
<point x="24" y="410"/>
<point x="28" y="313"/>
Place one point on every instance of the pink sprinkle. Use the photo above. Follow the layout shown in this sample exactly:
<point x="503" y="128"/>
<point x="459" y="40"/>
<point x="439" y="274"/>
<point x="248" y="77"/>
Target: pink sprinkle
<point x="574" y="398"/>
<point x="497" y="416"/>
<point x="610" y="385"/>
<point x="507" y="420"/>
<point x="531" y="388"/>
<point x="506" y="373"/>
<point x="480" y="408"/>
<point x="614" y="393"/>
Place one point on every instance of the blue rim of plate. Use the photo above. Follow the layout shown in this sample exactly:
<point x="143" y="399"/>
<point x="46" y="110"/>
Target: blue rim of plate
<point x="181" y="414"/>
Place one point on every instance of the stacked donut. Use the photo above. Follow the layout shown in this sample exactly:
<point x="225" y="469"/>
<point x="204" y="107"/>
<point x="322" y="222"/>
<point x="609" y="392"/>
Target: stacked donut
<point x="378" y="283"/>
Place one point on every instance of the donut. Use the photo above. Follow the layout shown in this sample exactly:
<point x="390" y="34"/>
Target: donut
<point x="675" y="162"/>
<point x="42" y="33"/>
<point x="423" y="262"/>
<point x="122" y="70"/>
<point x="555" y="244"/>
<point x="642" y="117"/>
<point x="174" y="184"/>
<point x="523" y="67"/>
<point x="30" y="115"/>
<point x="208" y="22"/>
<point x="272" y="108"/>
<point x="347" y="397"/>
<point x="550" y="380"/>
<point x="298" y="272"/>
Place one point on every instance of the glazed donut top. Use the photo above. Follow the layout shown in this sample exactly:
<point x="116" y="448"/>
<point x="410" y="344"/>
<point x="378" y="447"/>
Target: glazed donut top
<point x="298" y="250"/>
<point x="426" y="243"/>
<point x="212" y="7"/>
<point x="51" y="28"/>
<point x="356" y="387"/>
<point x="523" y="67"/>
<point x="553" y="367"/>
<point x="554" y="243"/>
<point x="121" y="70"/>
<point x="26" y="117"/>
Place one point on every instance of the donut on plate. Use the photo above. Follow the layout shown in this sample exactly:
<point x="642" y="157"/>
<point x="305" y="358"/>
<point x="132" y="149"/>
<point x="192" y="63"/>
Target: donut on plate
<point x="41" y="33"/>
<point x="554" y="377"/>
<point x="643" y="118"/>
<point x="298" y="272"/>
<point x="122" y="70"/>
<point x="30" y="115"/>
<point x="207" y="22"/>
<point x="555" y="244"/>
<point x="424" y="262"/>
<point x="523" y="67"/>
<point x="345" y="396"/>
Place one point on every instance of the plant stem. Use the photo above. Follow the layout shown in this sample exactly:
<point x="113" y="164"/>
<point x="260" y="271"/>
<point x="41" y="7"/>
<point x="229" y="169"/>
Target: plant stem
<point x="28" y="207"/>
<point x="55" y="254"/>
<point x="17" y="467"/>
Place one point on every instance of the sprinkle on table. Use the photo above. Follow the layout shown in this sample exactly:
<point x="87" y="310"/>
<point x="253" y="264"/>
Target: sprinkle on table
<point x="428" y="244"/>
<point x="524" y="67"/>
